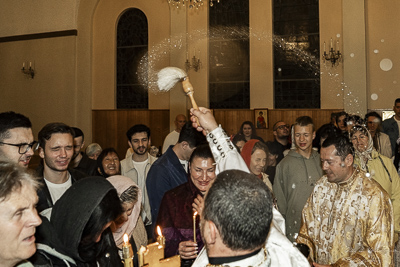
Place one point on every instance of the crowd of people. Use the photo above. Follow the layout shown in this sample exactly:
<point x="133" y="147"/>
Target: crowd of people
<point x="325" y="197"/>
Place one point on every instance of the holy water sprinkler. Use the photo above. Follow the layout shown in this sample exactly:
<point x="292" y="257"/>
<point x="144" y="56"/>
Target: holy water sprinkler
<point x="169" y="76"/>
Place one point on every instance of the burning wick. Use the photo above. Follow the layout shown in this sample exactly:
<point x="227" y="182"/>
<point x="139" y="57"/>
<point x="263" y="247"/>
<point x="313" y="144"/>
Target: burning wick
<point x="127" y="253"/>
<point x="194" y="226"/>
<point x="160" y="238"/>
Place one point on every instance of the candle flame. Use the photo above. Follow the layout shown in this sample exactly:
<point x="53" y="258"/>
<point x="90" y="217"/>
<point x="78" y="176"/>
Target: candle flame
<point x="126" y="238"/>
<point x="195" y="214"/>
<point x="159" y="231"/>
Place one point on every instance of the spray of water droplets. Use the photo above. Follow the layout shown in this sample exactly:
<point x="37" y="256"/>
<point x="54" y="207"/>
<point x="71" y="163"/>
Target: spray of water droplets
<point x="147" y="68"/>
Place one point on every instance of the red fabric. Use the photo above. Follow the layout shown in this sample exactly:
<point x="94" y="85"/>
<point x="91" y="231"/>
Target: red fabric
<point x="246" y="152"/>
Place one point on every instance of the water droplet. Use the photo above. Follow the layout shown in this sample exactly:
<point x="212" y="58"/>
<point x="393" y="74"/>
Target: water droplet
<point x="352" y="55"/>
<point x="386" y="64"/>
<point x="293" y="186"/>
<point x="382" y="40"/>
<point x="374" y="97"/>
<point x="338" y="35"/>
<point x="376" y="51"/>
<point x="279" y="69"/>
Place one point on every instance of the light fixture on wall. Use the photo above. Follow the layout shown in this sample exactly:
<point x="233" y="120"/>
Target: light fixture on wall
<point x="190" y="3"/>
<point x="194" y="63"/>
<point x="28" y="70"/>
<point x="333" y="55"/>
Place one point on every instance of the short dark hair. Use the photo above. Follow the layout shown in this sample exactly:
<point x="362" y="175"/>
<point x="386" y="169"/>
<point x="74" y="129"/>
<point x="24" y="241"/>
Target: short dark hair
<point x="191" y="135"/>
<point x="10" y="120"/>
<point x="340" y="114"/>
<point x="342" y="144"/>
<point x="13" y="177"/>
<point x="304" y="121"/>
<point x="237" y="138"/>
<point x="100" y="158"/>
<point x="203" y="151"/>
<point x="78" y="133"/>
<point x="240" y="206"/>
<point x="397" y="101"/>
<point x="327" y="130"/>
<point x="53" y="128"/>
<point x="138" y="128"/>
<point x="356" y="119"/>
<point x="373" y="114"/>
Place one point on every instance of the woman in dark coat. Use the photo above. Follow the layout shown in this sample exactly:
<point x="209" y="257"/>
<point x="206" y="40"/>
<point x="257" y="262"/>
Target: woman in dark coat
<point x="78" y="232"/>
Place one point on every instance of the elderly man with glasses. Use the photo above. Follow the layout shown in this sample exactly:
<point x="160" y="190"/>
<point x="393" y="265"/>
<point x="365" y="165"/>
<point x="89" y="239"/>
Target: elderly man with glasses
<point x="16" y="138"/>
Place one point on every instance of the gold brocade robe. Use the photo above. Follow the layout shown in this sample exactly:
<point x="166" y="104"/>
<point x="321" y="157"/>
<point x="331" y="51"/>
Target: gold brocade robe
<point x="348" y="223"/>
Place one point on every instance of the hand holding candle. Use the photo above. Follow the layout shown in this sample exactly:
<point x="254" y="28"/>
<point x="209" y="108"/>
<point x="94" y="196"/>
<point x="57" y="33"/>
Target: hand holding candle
<point x="127" y="253"/>
<point x="194" y="227"/>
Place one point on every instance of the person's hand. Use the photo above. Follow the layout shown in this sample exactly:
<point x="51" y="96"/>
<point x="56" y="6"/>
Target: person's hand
<point x="188" y="250"/>
<point x="319" y="265"/>
<point x="206" y="120"/>
<point x="198" y="204"/>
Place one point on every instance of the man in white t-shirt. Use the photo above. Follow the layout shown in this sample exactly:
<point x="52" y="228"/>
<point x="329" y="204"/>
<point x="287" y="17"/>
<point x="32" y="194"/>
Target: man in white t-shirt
<point x="391" y="126"/>
<point x="56" y="147"/>
<point x="137" y="165"/>
<point x="172" y="137"/>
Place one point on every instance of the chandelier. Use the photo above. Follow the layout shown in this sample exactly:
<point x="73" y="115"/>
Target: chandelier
<point x="190" y="3"/>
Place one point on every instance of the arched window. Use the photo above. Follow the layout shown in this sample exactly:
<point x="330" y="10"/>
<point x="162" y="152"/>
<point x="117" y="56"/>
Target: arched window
<point x="132" y="45"/>
<point x="296" y="54"/>
<point x="229" y="82"/>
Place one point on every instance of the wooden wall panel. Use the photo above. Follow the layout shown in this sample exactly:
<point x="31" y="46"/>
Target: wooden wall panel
<point x="231" y="120"/>
<point x="110" y="126"/>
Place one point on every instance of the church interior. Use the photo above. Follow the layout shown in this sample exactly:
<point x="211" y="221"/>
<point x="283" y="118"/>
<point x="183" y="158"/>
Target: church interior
<point x="61" y="61"/>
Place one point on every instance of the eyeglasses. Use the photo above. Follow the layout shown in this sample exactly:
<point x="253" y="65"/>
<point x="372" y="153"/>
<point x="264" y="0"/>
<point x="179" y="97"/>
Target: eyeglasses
<point x="287" y="126"/>
<point x="23" y="147"/>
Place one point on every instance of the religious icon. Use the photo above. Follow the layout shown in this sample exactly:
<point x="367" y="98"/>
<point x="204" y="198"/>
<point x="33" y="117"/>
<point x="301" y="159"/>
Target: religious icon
<point x="261" y="118"/>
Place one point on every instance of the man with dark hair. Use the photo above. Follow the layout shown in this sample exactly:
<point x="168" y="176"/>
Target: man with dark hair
<point x="296" y="175"/>
<point x="341" y="118"/>
<point x="137" y="165"/>
<point x="348" y="219"/>
<point x="381" y="140"/>
<point x="56" y="147"/>
<point x="172" y="137"/>
<point x="170" y="170"/>
<point x="16" y="138"/>
<point x="391" y="126"/>
<point x="80" y="161"/>
<point x="18" y="215"/>
<point x="281" y="141"/>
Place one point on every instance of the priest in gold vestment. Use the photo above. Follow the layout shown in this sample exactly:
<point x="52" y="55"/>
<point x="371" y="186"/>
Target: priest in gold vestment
<point x="348" y="219"/>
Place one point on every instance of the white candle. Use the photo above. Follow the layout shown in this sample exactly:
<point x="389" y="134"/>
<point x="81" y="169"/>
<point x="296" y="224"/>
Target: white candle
<point x="194" y="226"/>
<point x="30" y="64"/>
<point x="324" y="47"/>
<point x="23" y="65"/>
<point x="331" y="44"/>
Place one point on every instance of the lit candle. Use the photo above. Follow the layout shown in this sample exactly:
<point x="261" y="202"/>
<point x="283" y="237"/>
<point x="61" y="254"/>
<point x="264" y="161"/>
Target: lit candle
<point x="23" y="65"/>
<point x="141" y="256"/>
<point x="194" y="226"/>
<point x="160" y="238"/>
<point x="127" y="253"/>
<point x="331" y="43"/>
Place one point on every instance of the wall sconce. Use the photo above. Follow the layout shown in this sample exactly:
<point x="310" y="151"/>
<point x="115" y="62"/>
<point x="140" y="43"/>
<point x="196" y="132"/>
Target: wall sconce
<point x="333" y="55"/>
<point x="195" y="62"/>
<point x="28" y="71"/>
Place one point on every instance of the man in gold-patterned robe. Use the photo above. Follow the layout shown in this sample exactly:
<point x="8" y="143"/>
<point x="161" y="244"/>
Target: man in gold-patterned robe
<point x="348" y="219"/>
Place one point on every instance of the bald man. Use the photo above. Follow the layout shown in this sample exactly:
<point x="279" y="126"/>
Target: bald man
<point x="172" y="137"/>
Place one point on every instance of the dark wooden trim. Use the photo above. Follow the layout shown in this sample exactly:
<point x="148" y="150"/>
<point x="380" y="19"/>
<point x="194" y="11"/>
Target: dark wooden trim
<point x="35" y="36"/>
